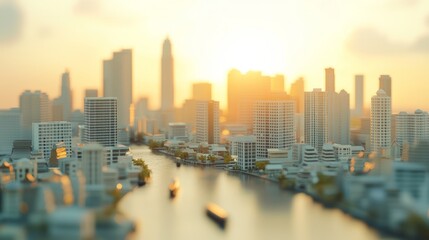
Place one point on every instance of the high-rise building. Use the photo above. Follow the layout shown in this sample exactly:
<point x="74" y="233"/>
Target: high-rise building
<point x="329" y="80"/>
<point x="93" y="158"/>
<point x="91" y="93"/>
<point x="342" y="118"/>
<point x="385" y="83"/>
<point x="297" y="93"/>
<point x="381" y="114"/>
<point x="35" y="107"/>
<point x="411" y="128"/>
<point x="316" y="119"/>
<point x="244" y="147"/>
<point x="202" y="91"/>
<point x="167" y="77"/>
<point x="66" y="96"/>
<point x="10" y="129"/>
<point x="207" y="121"/>
<point x="118" y="83"/>
<point x="101" y="121"/>
<point x="359" y="95"/>
<point x="47" y="134"/>
<point x="278" y="83"/>
<point x="244" y="90"/>
<point x="273" y="125"/>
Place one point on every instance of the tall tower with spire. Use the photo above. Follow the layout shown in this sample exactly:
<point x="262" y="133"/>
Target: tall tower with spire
<point x="167" y="77"/>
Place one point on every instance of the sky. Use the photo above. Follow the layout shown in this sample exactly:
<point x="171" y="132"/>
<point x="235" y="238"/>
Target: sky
<point x="40" y="39"/>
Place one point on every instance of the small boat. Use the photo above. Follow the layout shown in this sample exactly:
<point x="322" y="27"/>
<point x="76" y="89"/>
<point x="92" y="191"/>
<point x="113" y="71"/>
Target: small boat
<point x="173" y="187"/>
<point x="141" y="182"/>
<point x="178" y="162"/>
<point x="217" y="214"/>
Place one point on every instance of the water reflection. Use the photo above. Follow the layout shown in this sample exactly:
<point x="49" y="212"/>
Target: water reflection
<point x="257" y="209"/>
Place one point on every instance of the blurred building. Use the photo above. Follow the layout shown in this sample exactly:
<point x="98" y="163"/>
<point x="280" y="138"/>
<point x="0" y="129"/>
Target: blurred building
<point x="10" y="129"/>
<point x="316" y="119"/>
<point x="35" y="107"/>
<point x="207" y="122"/>
<point x="385" y="83"/>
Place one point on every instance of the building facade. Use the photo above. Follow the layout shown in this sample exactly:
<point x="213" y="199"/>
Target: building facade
<point x="316" y="119"/>
<point x="381" y="114"/>
<point x="47" y="134"/>
<point x="207" y="122"/>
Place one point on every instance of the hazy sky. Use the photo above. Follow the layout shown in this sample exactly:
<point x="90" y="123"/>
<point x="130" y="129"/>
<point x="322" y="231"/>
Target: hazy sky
<point x="40" y="39"/>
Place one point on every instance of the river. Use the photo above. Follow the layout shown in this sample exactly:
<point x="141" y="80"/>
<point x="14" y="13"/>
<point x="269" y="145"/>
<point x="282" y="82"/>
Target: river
<point x="257" y="208"/>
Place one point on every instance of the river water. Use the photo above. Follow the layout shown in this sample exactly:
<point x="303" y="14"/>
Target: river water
<point x="257" y="208"/>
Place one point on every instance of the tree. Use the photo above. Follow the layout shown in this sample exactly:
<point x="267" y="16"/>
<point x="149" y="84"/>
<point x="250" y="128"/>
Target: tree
<point x="146" y="172"/>
<point x="227" y="158"/>
<point x="211" y="158"/>
<point x="178" y="153"/>
<point x="184" y="155"/>
<point x="202" y="158"/>
<point x="261" y="165"/>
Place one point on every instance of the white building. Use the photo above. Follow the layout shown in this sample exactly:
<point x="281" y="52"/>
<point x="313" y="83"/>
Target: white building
<point x="273" y="125"/>
<point x="207" y="123"/>
<point x="24" y="166"/>
<point x="101" y="121"/>
<point x="315" y="119"/>
<point x="46" y="134"/>
<point x="381" y="113"/>
<point x="10" y="129"/>
<point x="411" y="128"/>
<point x="244" y="147"/>
<point x="92" y="163"/>
<point x="177" y="130"/>
<point x="35" y="107"/>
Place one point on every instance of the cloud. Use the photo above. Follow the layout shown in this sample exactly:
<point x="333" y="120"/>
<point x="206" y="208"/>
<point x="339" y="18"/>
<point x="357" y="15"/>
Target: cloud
<point x="11" y="19"/>
<point x="422" y="44"/>
<point x="112" y="13"/>
<point x="371" y="41"/>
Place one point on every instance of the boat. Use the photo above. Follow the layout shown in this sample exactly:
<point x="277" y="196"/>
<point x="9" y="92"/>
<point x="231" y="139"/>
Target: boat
<point x="173" y="187"/>
<point x="178" y="162"/>
<point x="217" y="214"/>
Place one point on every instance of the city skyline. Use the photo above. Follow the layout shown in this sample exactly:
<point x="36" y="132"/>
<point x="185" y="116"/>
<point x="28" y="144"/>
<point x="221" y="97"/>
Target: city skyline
<point x="372" y="46"/>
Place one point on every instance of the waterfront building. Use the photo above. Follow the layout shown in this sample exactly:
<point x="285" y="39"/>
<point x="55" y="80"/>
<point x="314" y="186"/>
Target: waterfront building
<point x="244" y="147"/>
<point x="381" y="114"/>
<point x="177" y="131"/>
<point x="207" y="125"/>
<point x="47" y="134"/>
<point x="273" y="125"/>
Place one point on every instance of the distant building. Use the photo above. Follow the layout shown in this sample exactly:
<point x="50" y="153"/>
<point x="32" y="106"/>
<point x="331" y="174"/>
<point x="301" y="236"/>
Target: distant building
<point x="101" y="124"/>
<point x="381" y="114"/>
<point x="411" y="128"/>
<point x="10" y="129"/>
<point x="207" y="121"/>
<point x="329" y="80"/>
<point x="359" y="95"/>
<point x="35" y="107"/>
<point x="47" y="134"/>
<point x="202" y="91"/>
<point x="385" y="83"/>
<point x="273" y="125"/>
<point x="118" y="83"/>
<point x="177" y="131"/>
<point x="244" y="147"/>
<point x="66" y="96"/>
<point x="316" y="119"/>
<point x="167" y="77"/>
<point x="297" y="93"/>
<point x="91" y="93"/>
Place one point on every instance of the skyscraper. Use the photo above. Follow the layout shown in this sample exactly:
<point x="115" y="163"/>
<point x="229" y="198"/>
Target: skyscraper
<point x="66" y="96"/>
<point x="381" y="114"/>
<point x="315" y="119"/>
<point x="91" y="92"/>
<point x="273" y="125"/>
<point x="118" y="83"/>
<point x="35" y="107"/>
<point x="207" y="125"/>
<point x="297" y="93"/>
<point x="101" y="121"/>
<point x="329" y="80"/>
<point x="202" y="91"/>
<point x="385" y="83"/>
<point x="167" y="77"/>
<point x="359" y="95"/>
<point x="411" y="128"/>
<point x="342" y="121"/>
